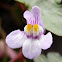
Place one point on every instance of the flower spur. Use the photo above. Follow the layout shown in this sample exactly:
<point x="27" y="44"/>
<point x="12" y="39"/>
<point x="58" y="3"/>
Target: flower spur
<point x="32" y="39"/>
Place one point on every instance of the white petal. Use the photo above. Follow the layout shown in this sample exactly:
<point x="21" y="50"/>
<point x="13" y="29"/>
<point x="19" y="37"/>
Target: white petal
<point x="31" y="48"/>
<point x="15" y="39"/>
<point x="29" y="17"/>
<point x="37" y="14"/>
<point x="46" y="41"/>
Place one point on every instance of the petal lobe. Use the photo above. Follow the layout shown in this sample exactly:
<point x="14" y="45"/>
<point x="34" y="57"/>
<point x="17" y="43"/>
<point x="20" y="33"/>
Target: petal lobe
<point x="15" y="39"/>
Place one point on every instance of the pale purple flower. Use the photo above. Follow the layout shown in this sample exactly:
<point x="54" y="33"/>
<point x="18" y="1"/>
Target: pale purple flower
<point x="32" y="39"/>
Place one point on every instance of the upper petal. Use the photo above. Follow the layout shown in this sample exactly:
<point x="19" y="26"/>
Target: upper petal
<point x="15" y="39"/>
<point x="29" y="17"/>
<point x="37" y="15"/>
<point x="31" y="48"/>
<point x="46" y="41"/>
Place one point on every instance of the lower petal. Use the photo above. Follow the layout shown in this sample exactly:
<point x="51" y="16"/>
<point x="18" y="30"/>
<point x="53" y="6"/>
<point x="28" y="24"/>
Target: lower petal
<point x="31" y="48"/>
<point x="15" y="39"/>
<point x="46" y="41"/>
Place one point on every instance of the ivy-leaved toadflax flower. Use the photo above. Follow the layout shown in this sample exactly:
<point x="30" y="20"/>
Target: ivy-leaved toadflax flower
<point x="32" y="39"/>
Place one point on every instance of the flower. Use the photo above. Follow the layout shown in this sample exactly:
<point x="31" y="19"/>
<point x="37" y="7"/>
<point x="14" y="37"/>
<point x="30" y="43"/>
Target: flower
<point x="32" y="39"/>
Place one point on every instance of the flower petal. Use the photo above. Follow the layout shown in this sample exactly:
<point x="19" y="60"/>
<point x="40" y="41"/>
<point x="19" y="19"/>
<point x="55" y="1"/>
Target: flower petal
<point x="46" y="41"/>
<point x="37" y="14"/>
<point x="29" y="17"/>
<point x="31" y="48"/>
<point x="15" y="39"/>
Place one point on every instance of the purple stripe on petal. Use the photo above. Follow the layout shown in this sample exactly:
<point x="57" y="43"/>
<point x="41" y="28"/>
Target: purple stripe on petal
<point x="33" y="22"/>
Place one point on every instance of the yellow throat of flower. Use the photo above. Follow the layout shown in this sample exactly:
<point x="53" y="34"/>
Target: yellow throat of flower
<point x="35" y="28"/>
<point x="29" y="27"/>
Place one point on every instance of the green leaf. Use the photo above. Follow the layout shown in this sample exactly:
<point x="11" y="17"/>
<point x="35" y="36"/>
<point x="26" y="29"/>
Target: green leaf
<point x="41" y="58"/>
<point x="51" y="13"/>
<point x="51" y="57"/>
<point x="54" y="57"/>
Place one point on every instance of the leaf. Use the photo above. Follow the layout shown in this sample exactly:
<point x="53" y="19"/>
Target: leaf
<point x="54" y="57"/>
<point x="41" y="58"/>
<point x="51" y="57"/>
<point x="51" y="13"/>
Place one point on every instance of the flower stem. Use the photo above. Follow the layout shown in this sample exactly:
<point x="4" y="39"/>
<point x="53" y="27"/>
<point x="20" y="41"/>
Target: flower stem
<point x="19" y="57"/>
